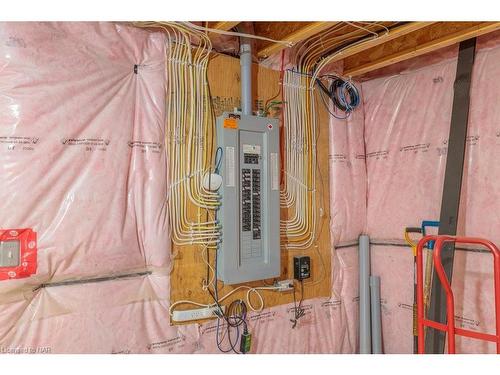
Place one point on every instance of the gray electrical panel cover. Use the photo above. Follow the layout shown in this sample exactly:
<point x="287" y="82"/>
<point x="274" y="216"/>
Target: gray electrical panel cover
<point x="250" y="210"/>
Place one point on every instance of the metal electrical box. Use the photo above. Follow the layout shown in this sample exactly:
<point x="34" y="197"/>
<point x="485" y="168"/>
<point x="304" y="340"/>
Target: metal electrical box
<point x="250" y="210"/>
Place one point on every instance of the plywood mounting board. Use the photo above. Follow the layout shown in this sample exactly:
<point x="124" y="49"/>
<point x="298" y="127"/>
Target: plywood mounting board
<point x="189" y="270"/>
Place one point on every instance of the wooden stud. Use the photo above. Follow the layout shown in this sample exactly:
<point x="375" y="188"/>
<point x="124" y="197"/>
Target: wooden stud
<point x="225" y="25"/>
<point x="440" y="42"/>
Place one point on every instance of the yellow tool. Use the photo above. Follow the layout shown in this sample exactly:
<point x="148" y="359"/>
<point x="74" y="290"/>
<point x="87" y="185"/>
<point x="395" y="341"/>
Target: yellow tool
<point x="413" y="245"/>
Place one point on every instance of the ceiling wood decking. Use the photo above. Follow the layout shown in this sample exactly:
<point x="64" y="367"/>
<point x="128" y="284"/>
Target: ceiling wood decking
<point x="363" y="46"/>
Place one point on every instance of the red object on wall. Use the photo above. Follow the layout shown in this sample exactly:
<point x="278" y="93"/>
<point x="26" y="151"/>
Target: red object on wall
<point x="27" y="253"/>
<point x="449" y="327"/>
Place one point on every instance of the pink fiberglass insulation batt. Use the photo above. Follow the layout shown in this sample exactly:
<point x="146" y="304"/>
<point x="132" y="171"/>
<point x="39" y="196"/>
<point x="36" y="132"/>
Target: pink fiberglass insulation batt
<point x="347" y="178"/>
<point x="406" y="125"/>
<point x="94" y="188"/>
<point x="91" y="181"/>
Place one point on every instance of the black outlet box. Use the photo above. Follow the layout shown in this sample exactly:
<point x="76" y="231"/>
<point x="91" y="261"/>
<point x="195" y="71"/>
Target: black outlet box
<point x="301" y="267"/>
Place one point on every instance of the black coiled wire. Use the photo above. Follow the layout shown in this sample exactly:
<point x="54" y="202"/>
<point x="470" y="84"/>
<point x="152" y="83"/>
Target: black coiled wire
<point x="344" y="95"/>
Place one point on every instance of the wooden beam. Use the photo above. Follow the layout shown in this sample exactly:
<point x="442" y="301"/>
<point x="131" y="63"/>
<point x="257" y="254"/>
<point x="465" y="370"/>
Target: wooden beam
<point x="421" y="49"/>
<point x="225" y="25"/>
<point x="383" y="38"/>
<point x="301" y="34"/>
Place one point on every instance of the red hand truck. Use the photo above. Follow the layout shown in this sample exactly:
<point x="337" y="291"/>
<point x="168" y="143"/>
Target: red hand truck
<point x="449" y="327"/>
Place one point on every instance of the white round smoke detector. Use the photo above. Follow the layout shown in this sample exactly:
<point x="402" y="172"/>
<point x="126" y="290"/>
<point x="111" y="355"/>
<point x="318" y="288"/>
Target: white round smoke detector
<point x="212" y="181"/>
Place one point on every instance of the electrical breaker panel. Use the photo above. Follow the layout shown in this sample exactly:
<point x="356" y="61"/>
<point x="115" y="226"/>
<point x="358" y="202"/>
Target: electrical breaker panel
<point x="250" y="210"/>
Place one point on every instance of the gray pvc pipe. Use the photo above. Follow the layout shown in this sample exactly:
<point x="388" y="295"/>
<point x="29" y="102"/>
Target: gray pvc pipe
<point x="376" y="315"/>
<point x="364" y="295"/>
<point x="246" y="76"/>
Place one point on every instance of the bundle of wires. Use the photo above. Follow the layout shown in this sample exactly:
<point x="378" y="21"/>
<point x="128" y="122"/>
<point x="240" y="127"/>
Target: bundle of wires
<point x="233" y="320"/>
<point x="338" y="90"/>
<point x="298" y="192"/>
<point x="343" y="94"/>
<point x="189" y="135"/>
<point x="301" y="123"/>
<point x="298" y="311"/>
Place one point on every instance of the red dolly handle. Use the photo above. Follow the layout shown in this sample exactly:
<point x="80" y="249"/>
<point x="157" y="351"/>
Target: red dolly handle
<point x="449" y="327"/>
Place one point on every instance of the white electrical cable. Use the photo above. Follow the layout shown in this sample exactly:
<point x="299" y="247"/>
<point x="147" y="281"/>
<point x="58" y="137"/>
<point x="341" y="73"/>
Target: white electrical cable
<point x="247" y="298"/>
<point x="362" y="28"/>
<point x="232" y="33"/>
<point x="189" y="125"/>
<point x="324" y="62"/>
<point x="189" y="120"/>
<point x="298" y="193"/>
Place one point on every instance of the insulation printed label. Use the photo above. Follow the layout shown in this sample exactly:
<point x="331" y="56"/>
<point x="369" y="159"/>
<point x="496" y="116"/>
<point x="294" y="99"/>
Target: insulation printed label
<point x="405" y="306"/>
<point x="384" y="307"/>
<point x="467" y="323"/>
<point x="90" y="144"/>
<point x="422" y="147"/>
<point x="331" y="304"/>
<point x="267" y="316"/>
<point x="154" y="147"/>
<point x="275" y="173"/>
<point x="472" y="140"/>
<point x="307" y="308"/>
<point x="122" y="351"/>
<point x="230" y="165"/>
<point x="19" y="143"/>
<point x="378" y="155"/>
<point x="442" y="151"/>
<point x="16" y="42"/>
<point x="338" y="158"/>
<point x="309" y="316"/>
<point x="212" y="328"/>
<point x="170" y="344"/>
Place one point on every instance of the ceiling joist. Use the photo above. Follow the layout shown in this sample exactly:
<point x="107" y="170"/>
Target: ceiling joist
<point x="225" y="25"/>
<point x="364" y="62"/>
<point x="295" y="37"/>
<point x="383" y="38"/>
